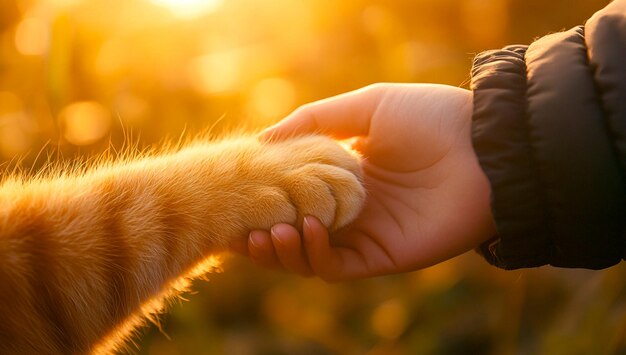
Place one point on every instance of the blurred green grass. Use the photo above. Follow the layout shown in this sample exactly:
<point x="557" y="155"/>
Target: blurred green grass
<point x="77" y="76"/>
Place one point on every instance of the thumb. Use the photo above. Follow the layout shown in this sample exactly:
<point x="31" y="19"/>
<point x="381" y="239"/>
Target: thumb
<point x="343" y="116"/>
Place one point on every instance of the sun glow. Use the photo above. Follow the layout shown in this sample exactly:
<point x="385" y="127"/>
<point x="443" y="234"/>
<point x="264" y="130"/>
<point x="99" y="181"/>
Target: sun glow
<point x="189" y="8"/>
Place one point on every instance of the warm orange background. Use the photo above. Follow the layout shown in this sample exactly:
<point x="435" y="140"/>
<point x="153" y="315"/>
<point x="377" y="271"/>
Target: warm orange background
<point x="78" y="76"/>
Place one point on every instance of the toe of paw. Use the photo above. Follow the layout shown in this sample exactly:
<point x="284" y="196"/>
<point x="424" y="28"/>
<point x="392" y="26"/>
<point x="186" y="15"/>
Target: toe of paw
<point x="311" y="196"/>
<point x="350" y="196"/>
<point x="277" y="201"/>
<point x="332" y="194"/>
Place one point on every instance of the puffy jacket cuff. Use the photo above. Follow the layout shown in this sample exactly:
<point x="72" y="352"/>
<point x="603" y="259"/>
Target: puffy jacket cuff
<point x="541" y="135"/>
<point x="501" y="141"/>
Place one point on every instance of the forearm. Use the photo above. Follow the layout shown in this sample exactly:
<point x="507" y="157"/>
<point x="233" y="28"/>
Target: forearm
<point x="80" y="254"/>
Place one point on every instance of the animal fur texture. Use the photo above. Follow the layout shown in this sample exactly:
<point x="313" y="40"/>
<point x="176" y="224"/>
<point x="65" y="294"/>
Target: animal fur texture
<point x="86" y="256"/>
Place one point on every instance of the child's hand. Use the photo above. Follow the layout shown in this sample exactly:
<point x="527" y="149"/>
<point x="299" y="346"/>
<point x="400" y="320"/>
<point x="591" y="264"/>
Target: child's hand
<point x="428" y="199"/>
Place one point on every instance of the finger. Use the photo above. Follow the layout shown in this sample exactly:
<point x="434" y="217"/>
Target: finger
<point x="288" y="247"/>
<point x="261" y="250"/>
<point x="328" y="262"/>
<point x="343" y="116"/>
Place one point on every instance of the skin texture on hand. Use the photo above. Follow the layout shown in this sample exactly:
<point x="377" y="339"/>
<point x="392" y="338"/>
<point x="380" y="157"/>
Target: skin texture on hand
<point x="428" y="199"/>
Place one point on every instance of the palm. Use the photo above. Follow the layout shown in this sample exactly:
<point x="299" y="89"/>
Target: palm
<point x="416" y="200"/>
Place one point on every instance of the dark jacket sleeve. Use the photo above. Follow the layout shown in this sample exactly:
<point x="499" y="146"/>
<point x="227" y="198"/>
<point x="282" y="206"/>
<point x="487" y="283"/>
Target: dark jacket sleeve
<point x="549" y="129"/>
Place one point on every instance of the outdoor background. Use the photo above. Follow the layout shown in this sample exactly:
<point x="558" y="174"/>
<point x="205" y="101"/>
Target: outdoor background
<point x="78" y="76"/>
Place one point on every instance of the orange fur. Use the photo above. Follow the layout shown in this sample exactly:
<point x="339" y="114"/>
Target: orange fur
<point x="84" y="257"/>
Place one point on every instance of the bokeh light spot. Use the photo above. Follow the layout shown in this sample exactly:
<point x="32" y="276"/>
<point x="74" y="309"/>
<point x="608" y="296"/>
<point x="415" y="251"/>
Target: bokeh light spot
<point x="84" y="122"/>
<point x="389" y="319"/>
<point x="32" y="37"/>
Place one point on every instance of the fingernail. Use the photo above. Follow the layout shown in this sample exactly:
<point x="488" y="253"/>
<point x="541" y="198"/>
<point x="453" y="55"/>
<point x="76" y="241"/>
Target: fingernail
<point x="255" y="239"/>
<point x="276" y="235"/>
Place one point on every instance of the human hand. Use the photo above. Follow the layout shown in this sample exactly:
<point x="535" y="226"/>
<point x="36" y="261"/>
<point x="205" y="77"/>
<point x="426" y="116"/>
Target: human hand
<point x="428" y="199"/>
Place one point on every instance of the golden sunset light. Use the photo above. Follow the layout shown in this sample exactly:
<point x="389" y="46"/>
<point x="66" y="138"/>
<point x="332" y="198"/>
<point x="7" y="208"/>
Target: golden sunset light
<point x="82" y="81"/>
<point x="189" y="8"/>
